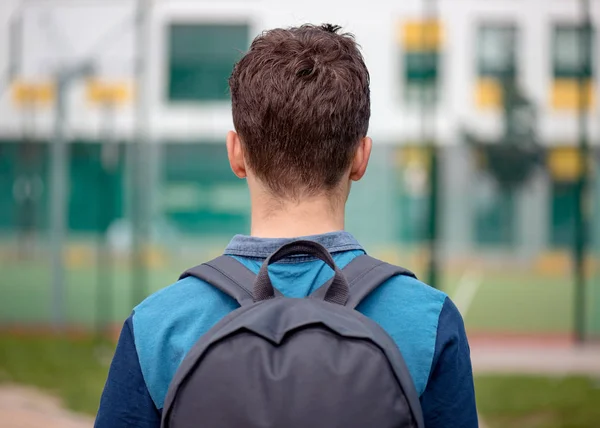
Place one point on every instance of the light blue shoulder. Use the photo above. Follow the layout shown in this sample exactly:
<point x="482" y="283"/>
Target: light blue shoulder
<point x="168" y="323"/>
<point x="408" y="310"/>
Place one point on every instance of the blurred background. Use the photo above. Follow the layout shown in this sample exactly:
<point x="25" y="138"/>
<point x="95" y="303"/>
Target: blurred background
<point x="114" y="179"/>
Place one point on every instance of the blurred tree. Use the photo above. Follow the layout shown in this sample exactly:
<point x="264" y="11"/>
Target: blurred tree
<point x="513" y="157"/>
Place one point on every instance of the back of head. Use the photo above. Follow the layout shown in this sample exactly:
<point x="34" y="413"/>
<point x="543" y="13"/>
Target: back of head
<point x="301" y="104"/>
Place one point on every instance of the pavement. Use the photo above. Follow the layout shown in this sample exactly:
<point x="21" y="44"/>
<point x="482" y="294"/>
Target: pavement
<point x="24" y="407"/>
<point x="536" y="360"/>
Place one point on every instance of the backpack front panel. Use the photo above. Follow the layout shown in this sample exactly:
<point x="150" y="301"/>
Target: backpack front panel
<point x="285" y="364"/>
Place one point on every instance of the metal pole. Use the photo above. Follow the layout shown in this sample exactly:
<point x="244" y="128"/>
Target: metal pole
<point x="428" y="136"/>
<point x="15" y="45"/>
<point x="59" y="187"/>
<point x="581" y="226"/>
<point x="138" y="152"/>
<point x="58" y="202"/>
<point x="26" y="204"/>
<point x="109" y="157"/>
<point x="15" y="55"/>
<point x="15" y="50"/>
<point x="433" y="268"/>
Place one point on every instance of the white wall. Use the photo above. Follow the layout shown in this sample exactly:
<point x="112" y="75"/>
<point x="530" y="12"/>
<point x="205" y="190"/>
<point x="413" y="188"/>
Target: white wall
<point x="63" y="31"/>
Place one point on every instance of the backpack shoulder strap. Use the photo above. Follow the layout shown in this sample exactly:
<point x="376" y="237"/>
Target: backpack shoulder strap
<point x="365" y="273"/>
<point x="228" y="275"/>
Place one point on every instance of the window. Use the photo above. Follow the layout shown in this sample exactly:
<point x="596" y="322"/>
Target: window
<point x="24" y="185"/>
<point x="568" y="56"/>
<point x="90" y="176"/>
<point x="494" y="213"/>
<point x="496" y="51"/>
<point x="421" y="77"/>
<point x="562" y="209"/>
<point x="200" y="195"/>
<point x="201" y="57"/>
<point x="496" y="60"/>
<point x="570" y="63"/>
<point x="421" y="42"/>
<point x="565" y="168"/>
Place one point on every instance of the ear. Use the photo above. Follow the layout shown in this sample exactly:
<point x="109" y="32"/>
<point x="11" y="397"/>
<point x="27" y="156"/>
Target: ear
<point x="236" y="154"/>
<point x="361" y="159"/>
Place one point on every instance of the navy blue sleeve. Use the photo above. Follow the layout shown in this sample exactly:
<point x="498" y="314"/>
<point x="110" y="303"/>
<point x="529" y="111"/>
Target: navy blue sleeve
<point x="449" y="398"/>
<point x="125" y="400"/>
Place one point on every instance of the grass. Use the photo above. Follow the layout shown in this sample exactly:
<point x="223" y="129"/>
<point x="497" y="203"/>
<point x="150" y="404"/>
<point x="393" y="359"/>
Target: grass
<point x="535" y="402"/>
<point x="75" y="371"/>
<point x="26" y="292"/>
<point x="520" y="302"/>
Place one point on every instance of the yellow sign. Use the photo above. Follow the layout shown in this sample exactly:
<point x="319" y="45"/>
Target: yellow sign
<point x="565" y="164"/>
<point x="556" y="263"/>
<point x="566" y="92"/>
<point x="488" y="93"/>
<point x="33" y="93"/>
<point x="414" y="156"/>
<point x="108" y="93"/>
<point x="79" y="256"/>
<point x="421" y="36"/>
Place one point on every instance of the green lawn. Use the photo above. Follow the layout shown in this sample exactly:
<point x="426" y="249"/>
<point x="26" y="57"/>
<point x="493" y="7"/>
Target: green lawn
<point x="75" y="370"/>
<point x="26" y="293"/>
<point x="534" y="402"/>
<point x="519" y="302"/>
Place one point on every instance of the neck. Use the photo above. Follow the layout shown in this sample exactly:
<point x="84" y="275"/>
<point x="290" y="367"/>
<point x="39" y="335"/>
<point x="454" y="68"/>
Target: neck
<point x="290" y="219"/>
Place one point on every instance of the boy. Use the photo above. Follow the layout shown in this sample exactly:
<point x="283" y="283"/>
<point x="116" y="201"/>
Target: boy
<point x="301" y="108"/>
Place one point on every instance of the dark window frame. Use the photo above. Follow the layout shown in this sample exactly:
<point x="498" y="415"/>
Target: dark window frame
<point x="181" y="92"/>
<point x="556" y="71"/>
<point x="484" y="70"/>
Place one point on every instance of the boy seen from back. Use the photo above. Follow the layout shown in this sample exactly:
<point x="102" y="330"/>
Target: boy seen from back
<point x="301" y="108"/>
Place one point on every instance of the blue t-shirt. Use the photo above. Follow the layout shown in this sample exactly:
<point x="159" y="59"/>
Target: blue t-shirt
<point x="423" y="322"/>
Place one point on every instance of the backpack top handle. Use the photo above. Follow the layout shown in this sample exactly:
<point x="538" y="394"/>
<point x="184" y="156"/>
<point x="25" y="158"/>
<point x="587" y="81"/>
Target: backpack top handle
<point x="335" y="290"/>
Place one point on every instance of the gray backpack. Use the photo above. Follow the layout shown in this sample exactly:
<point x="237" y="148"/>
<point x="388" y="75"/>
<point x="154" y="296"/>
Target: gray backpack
<point x="294" y="363"/>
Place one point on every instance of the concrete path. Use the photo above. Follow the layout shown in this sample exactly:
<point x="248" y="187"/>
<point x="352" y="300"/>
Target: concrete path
<point x="540" y="360"/>
<point x="23" y="407"/>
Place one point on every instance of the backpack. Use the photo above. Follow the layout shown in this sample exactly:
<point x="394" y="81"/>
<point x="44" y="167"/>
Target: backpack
<point x="294" y="363"/>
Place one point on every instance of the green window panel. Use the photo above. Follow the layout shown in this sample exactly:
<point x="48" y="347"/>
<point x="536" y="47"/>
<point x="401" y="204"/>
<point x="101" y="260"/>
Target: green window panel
<point x="568" y="59"/>
<point x="421" y="76"/>
<point x="96" y="186"/>
<point x="94" y="199"/>
<point x="200" y="194"/>
<point x="24" y="186"/>
<point x="421" y="66"/>
<point x="562" y="209"/>
<point x="201" y="58"/>
<point x="413" y="213"/>
<point x="496" y="50"/>
<point x="494" y="218"/>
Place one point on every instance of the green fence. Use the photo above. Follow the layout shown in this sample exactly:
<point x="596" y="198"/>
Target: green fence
<point x="513" y="249"/>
